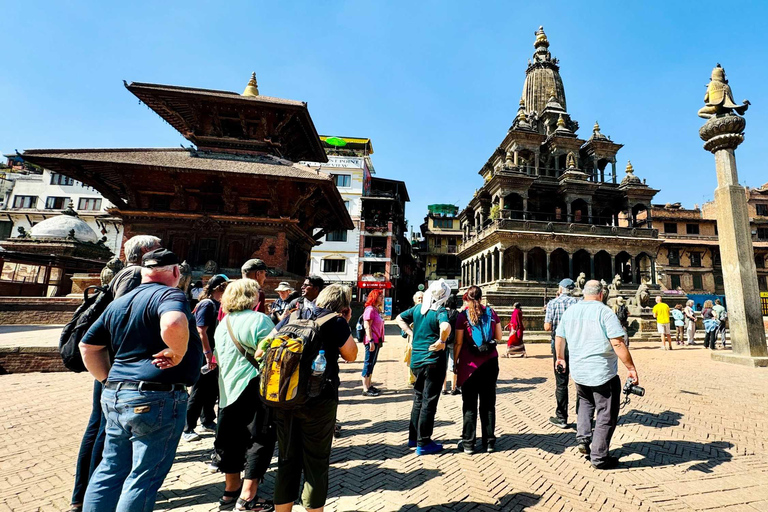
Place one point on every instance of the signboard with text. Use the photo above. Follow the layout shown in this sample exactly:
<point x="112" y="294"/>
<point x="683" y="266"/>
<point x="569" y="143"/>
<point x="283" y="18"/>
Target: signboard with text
<point x="453" y="283"/>
<point x="388" y="307"/>
<point x="374" y="285"/>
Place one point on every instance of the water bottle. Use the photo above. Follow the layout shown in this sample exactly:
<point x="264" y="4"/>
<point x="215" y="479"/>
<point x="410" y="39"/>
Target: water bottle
<point x="317" y="379"/>
<point x="205" y="369"/>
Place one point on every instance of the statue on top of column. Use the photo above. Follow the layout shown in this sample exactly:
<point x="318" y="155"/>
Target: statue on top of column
<point x="719" y="98"/>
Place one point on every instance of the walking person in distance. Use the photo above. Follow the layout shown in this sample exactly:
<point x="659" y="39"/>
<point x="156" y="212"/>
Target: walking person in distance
<point x="373" y="325"/>
<point x="554" y="312"/>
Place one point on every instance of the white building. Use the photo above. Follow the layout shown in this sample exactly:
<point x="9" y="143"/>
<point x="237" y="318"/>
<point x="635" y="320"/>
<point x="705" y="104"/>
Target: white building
<point x="35" y="197"/>
<point x="336" y="259"/>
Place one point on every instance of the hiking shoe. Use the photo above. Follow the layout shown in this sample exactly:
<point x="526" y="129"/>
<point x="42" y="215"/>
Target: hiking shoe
<point x="608" y="463"/>
<point x="465" y="447"/>
<point x="429" y="449"/>
<point x="190" y="436"/>
<point x="209" y="427"/>
<point x="412" y="444"/>
<point x="374" y="389"/>
<point x="456" y="391"/>
<point x="584" y="448"/>
<point x="490" y="447"/>
<point x="371" y="392"/>
<point x="558" y="422"/>
<point x="445" y="391"/>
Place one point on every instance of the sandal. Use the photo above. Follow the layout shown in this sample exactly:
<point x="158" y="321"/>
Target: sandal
<point x="227" y="503"/>
<point x="256" y="504"/>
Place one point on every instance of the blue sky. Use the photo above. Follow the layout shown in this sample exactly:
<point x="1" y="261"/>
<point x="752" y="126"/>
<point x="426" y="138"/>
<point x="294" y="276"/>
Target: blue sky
<point x="434" y="84"/>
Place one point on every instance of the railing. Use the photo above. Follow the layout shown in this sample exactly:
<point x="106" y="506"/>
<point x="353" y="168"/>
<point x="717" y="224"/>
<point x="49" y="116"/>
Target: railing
<point x="558" y="227"/>
<point x="375" y="253"/>
<point x="450" y="249"/>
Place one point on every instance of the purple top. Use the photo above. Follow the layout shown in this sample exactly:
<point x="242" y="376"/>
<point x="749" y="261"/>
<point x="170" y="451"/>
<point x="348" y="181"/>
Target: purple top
<point x="468" y="360"/>
<point x="372" y="315"/>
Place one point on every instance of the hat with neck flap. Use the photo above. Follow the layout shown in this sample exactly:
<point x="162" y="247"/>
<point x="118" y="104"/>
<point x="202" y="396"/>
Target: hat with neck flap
<point x="435" y="296"/>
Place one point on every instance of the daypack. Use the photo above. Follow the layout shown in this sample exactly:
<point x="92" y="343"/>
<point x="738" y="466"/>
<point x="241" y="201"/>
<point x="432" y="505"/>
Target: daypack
<point x="360" y="329"/>
<point x="622" y="314"/>
<point x="286" y="376"/>
<point x="482" y="341"/>
<point x="85" y="315"/>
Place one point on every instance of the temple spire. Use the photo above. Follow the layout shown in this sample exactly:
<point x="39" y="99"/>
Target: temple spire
<point x="252" y="89"/>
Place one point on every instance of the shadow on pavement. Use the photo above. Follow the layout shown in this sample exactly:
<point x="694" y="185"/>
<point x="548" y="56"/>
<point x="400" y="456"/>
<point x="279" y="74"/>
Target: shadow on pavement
<point x="663" y="453"/>
<point x="515" y="501"/>
<point x="350" y="482"/>
<point x="550" y="443"/>
<point x="400" y="425"/>
<point x="661" y="420"/>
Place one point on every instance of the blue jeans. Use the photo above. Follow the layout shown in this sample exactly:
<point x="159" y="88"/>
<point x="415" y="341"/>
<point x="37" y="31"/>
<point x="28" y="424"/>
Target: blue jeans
<point x="370" y="359"/>
<point x="143" y="431"/>
<point x="91" y="446"/>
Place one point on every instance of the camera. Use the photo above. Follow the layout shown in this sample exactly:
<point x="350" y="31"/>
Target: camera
<point x="631" y="389"/>
<point x="560" y="369"/>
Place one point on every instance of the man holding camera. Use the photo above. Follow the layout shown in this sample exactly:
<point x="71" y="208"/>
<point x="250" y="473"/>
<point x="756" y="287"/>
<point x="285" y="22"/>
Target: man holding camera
<point x="595" y="343"/>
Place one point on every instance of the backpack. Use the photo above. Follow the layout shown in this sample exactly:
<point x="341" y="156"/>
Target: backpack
<point x="85" y="315"/>
<point x="622" y="314"/>
<point x="360" y="329"/>
<point x="286" y="376"/>
<point x="482" y="338"/>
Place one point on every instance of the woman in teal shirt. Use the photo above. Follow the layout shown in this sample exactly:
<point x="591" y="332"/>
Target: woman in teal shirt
<point x="245" y="438"/>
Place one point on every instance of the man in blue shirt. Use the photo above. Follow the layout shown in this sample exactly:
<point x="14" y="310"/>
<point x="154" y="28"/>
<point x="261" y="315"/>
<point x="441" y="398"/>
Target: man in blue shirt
<point x="595" y="342"/>
<point x="555" y="309"/>
<point x="157" y="355"/>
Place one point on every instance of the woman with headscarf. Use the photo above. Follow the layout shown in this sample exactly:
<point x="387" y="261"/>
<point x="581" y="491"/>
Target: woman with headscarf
<point x="431" y="329"/>
<point x="515" y="346"/>
<point x="478" y="330"/>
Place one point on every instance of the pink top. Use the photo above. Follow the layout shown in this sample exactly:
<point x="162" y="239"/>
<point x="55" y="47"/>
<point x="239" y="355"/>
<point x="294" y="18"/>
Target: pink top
<point x="372" y="315"/>
<point x="468" y="360"/>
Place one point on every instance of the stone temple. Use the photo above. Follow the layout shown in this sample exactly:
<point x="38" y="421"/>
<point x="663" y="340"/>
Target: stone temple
<point x="551" y="204"/>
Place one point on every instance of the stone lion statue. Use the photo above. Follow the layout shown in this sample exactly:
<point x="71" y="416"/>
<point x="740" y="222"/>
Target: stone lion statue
<point x="616" y="283"/>
<point x="211" y="267"/>
<point x="581" y="280"/>
<point x="186" y="277"/>
<point x="642" y="297"/>
<point x="108" y="272"/>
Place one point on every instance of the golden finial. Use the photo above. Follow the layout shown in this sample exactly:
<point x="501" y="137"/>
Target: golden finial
<point x="252" y="89"/>
<point x="521" y="115"/>
<point x="522" y="102"/>
<point x="541" y="38"/>
<point x="560" y="122"/>
<point x="596" y="128"/>
<point x="629" y="168"/>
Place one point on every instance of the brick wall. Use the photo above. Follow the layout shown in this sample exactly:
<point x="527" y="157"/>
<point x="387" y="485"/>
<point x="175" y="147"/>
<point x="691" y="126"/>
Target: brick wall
<point x="37" y="310"/>
<point x="30" y="359"/>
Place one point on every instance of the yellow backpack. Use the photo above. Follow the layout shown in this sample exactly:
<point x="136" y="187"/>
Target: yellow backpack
<point x="286" y="373"/>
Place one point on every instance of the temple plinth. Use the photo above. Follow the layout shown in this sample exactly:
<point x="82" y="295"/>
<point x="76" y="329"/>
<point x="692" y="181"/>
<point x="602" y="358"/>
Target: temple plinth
<point x="722" y="134"/>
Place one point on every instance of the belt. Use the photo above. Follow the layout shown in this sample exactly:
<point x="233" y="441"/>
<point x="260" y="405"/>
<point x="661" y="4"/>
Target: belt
<point x="144" y="386"/>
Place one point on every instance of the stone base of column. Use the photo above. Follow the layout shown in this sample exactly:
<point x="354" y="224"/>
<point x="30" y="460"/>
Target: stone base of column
<point x="730" y="357"/>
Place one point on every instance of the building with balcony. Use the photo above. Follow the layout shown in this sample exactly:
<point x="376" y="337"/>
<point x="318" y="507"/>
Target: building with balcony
<point x="439" y="247"/>
<point x="551" y="204"/>
<point x="34" y="194"/>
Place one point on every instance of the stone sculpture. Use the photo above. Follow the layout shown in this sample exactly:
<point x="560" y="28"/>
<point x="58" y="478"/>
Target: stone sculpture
<point x="108" y="272"/>
<point x="186" y="277"/>
<point x="719" y="98"/>
<point x="581" y="280"/>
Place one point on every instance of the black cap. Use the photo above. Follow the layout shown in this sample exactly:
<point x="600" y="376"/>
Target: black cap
<point x="217" y="281"/>
<point x="159" y="258"/>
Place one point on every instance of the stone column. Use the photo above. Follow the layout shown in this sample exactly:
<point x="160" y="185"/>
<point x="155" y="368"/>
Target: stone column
<point x="525" y="208"/>
<point x="525" y="265"/>
<point x="501" y="263"/>
<point x="591" y="266"/>
<point x="635" y="268"/>
<point x="653" y="270"/>
<point x="548" y="255"/>
<point x="568" y="217"/>
<point x="536" y="158"/>
<point x="589" y="212"/>
<point x="722" y="135"/>
<point x="613" y="266"/>
<point x="570" y="266"/>
<point x="613" y="169"/>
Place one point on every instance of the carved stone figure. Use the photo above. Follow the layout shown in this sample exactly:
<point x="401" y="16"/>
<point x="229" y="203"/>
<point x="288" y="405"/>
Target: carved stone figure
<point x="108" y="272"/>
<point x="719" y="98"/>
<point x="186" y="277"/>
<point x="616" y="283"/>
<point x="642" y="297"/>
<point x="581" y="280"/>
<point x="211" y="267"/>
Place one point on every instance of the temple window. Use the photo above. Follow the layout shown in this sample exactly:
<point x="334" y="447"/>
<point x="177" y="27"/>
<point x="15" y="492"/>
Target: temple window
<point x="692" y="229"/>
<point x="759" y="261"/>
<point x="697" y="282"/>
<point x="762" y="210"/>
<point x="334" y="266"/>
<point x="674" y="257"/>
<point x="762" y="233"/>
<point x="670" y="227"/>
<point x="674" y="281"/>
<point x="695" y="259"/>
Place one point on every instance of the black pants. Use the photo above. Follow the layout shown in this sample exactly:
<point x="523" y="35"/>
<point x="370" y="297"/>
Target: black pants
<point x="710" y="338"/>
<point x="427" y="387"/>
<point x="602" y="401"/>
<point x="91" y="446"/>
<point x="304" y="438"/>
<point x="202" y="400"/>
<point x="561" y="389"/>
<point x="245" y="435"/>
<point x="480" y="385"/>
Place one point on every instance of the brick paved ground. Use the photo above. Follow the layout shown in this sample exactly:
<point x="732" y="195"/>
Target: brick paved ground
<point x="696" y="441"/>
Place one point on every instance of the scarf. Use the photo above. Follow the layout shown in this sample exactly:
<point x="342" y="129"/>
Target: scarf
<point x="435" y="296"/>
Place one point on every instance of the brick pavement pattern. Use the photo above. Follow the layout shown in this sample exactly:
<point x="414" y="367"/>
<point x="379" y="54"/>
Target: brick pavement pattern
<point x="696" y="441"/>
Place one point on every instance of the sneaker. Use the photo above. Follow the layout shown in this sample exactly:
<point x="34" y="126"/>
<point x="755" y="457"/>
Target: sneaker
<point x="337" y="431"/>
<point x="584" y="448"/>
<point x="490" y="447"/>
<point x="445" y="391"/>
<point x="209" y="427"/>
<point x="429" y="449"/>
<point x="375" y="390"/>
<point x="371" y="392"/>
<point x="213" y="467"/>
<point x="190" y="436"/>
<point x="465" y="447"/>
<point x="559" y="423"/>
<point x="412" y="444"/>
<point x="456" y="391"/>
<point x="608" y="463"/>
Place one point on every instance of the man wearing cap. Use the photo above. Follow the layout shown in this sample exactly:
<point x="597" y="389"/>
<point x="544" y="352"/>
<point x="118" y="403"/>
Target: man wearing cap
<point x="205" y="392"/>
<point x="555" y="309"/>
<point x="256" y="269"/>
<point x="157" y="354"/>
<point x="280" y="306"/>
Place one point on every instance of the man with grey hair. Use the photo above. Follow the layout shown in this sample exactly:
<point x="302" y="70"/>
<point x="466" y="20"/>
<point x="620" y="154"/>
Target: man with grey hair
<point x="554" y="312"/>
<point x="157" y="354"/>
<point x="130" y="277"/>
<point x="595" y="341"/>
<point x="256" y="269"/>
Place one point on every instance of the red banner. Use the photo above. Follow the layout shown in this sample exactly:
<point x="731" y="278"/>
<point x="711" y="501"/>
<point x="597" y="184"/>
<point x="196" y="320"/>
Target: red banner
<point x="375" y="285"/>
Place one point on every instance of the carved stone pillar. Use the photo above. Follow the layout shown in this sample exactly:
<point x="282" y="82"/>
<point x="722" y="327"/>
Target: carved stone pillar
<point x="613" y="169"/>
<point x="653" y="270"/>
<point x="525" y="265"/>
<point x="570" y="265"/>
<point x="525" y="208"/>
<point x="613" y="265"/>
<point x="548" y="277"/>
<point x="591" y="266"/>
<point x="501" y="264"/>
<point x="568" y="217"/>
<point x="589" y="213"/>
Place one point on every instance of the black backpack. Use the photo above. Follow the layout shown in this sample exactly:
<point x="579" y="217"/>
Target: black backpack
<point x="360" y="329"/>
<point x="86" y="314"/>
<point x="622" y="314"/>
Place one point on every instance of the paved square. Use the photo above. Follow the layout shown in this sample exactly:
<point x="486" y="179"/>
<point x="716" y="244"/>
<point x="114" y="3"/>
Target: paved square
<point x="696" y="441"/>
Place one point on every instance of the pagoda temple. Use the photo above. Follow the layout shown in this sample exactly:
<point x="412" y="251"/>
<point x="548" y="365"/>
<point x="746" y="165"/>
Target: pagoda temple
<point x="236" y="193"/>
<point x="551" y="204"/>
